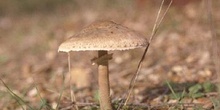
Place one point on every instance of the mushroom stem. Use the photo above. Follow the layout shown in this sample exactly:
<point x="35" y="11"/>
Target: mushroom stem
<point x="104" y="89"/>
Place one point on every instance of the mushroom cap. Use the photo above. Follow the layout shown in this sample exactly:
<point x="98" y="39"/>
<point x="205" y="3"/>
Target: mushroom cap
<point x="104" y="35"/>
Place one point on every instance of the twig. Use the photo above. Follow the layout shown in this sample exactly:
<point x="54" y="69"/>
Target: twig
<point x="209" y="94"/>
<point x="79" y="105"/>
<point x="140" y="105"/>
<point x="63" y="86"/>
<point x="73" y="98"/>
<point x="155" y="28"/>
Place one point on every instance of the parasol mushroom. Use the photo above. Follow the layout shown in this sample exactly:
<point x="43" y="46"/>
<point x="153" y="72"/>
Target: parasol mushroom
<point x="104" y="36"/>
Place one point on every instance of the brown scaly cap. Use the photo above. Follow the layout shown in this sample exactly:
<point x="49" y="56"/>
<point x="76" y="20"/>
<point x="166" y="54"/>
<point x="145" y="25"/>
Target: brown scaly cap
<point x="104" y="35"/>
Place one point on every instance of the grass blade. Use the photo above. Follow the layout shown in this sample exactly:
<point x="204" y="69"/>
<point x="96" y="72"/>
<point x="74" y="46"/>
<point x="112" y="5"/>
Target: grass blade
<point x="16" y="97"/>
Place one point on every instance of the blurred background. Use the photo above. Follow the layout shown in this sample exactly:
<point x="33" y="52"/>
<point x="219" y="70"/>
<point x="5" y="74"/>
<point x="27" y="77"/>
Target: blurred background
<point x="184" y="51"/>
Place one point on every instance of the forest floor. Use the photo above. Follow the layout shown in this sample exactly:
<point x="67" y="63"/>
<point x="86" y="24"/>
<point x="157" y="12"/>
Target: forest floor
<point x="180" y="71"/>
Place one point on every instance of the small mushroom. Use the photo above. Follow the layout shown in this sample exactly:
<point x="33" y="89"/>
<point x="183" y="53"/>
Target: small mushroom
<point x="104" y="36"/>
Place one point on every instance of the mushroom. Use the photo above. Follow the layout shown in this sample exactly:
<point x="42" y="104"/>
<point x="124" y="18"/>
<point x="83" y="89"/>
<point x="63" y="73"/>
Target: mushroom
<point x="104" y="36"/>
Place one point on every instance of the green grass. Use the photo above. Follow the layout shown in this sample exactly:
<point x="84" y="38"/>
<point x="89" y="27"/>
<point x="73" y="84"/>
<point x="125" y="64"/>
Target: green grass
<point x="3" y="59"/>
<point x="194" y="91"/>
<point x="22" y="102"/>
